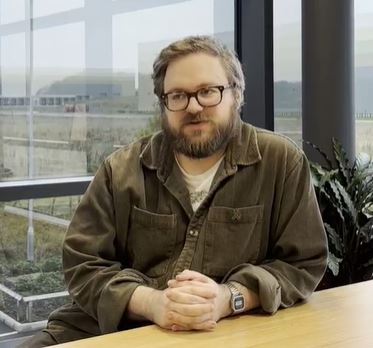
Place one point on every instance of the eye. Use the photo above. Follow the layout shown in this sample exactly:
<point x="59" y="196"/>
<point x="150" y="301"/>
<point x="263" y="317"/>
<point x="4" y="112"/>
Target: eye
<point x="176" y="96"/>
<point x="208" y="92"/>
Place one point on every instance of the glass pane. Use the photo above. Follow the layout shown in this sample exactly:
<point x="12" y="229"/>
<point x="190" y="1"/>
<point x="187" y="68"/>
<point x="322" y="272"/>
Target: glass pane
<point x="288" y="68"/>
<point x="213" y="18"/>
<point x="31" y="235"/>
<point x="13" y="107"/>
<point x="91" y="87"/>
<point x="59" y="59"/>
<point x="47" y="7"/>
<point x="12" y="11"/>
<point x="91" y="93"/>
<point x="364" y="75"/>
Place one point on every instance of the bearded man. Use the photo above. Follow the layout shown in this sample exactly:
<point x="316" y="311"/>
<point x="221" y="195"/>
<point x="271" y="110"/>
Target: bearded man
<point x="210" y="217"/>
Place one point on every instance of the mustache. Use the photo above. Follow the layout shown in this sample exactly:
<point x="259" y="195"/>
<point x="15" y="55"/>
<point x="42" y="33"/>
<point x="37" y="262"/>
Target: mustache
<point x="193" y="118"/>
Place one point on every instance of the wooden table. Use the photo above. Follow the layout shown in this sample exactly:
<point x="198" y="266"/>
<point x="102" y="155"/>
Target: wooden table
<point x="340" y="317"/>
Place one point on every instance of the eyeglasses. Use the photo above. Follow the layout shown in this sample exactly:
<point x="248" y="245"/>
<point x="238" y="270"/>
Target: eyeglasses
<point x="206" y="97"/>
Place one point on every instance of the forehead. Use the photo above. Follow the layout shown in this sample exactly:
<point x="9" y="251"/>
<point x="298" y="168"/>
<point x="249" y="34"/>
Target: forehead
<point x="193" y="71"/>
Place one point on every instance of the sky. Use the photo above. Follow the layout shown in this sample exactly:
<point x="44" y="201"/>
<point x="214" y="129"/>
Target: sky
<point x="287" y="37"/>
<point x="61" y="50"/>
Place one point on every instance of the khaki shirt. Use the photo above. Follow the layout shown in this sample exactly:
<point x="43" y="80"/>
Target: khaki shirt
<point x="259" y="225"/>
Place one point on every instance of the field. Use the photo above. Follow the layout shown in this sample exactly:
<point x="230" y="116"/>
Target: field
<point x="75" y="144"/>
<point x="66" y="145"/>
<point x="292" y="127"/>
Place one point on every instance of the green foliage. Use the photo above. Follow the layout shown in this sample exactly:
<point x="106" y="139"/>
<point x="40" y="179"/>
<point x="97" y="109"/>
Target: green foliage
<point x="13" y="235"/>
<point x="345" y="196"/>
<point x="153" y="125"/>
<point x="36" y="284"/>
<point x="53" y="264"/>
<point x="23" y="267"/>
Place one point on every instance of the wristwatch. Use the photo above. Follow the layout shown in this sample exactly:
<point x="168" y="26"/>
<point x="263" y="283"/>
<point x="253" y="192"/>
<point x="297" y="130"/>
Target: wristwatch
<point x="237" y="299"/>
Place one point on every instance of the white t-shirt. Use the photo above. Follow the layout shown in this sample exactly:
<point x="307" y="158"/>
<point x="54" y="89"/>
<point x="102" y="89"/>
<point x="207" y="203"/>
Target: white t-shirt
<point x="199" y="185"/>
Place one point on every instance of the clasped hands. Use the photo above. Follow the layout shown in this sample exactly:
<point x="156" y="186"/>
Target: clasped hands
<point x="192" y="301"/>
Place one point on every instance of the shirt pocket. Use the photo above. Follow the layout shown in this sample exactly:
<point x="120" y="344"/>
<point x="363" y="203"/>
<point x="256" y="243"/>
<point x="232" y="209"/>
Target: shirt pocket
<point x="151" y="241"/>
<point x="232" y="238"/>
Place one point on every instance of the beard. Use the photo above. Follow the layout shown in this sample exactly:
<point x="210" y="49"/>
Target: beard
<point x="201" y="147"/>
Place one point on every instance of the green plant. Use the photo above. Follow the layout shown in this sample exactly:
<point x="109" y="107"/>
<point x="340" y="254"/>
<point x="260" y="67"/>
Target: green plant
<point x="345" y="194"/>
<point x="37" y="283"/>
<point x="23" y="267"/>
<point x="52" y="264"/>
<point x="153" y="125"/>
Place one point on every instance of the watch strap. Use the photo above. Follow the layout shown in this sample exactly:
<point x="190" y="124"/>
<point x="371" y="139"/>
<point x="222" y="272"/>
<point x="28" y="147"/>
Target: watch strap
<point x="233" y="289"/>
<point x="237" y="299"/>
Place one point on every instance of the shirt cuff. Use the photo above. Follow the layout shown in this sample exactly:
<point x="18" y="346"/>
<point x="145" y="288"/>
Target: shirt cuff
<point x="260" y="281"/>
<point x="115" y="297"/>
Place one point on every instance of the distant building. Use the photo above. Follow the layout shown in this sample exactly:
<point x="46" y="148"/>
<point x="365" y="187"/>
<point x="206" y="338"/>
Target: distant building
<point x="93" y="84"/>
<point x="147" y="52"/>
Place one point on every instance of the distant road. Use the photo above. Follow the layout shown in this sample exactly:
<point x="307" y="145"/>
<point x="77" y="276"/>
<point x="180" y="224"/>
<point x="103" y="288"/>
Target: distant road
<point x="37" y="216"/>
<point x="77" y="114"/>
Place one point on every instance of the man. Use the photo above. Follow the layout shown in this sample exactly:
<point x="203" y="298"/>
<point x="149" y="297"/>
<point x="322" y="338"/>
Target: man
<point x="208" y="218"/>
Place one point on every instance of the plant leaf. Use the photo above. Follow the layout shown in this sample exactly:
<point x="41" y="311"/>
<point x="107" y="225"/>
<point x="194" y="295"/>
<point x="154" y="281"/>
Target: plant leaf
<point x="348" y="202"/>
<point x="316" y="173"/>
<point x="333" y="263"/>
<point x="367" y="231"/>
<point x="342" y="160"/>
<point x="334" y="238"/>
<point x="336" y="202"/>
<point x="318" y="169"/>
<point x="322" y="153"/>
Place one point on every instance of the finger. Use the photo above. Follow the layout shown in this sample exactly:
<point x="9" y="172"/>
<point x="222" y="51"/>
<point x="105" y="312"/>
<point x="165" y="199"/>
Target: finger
<point x="192" y="310"/>
<point x="175" y="327"/>
<point x="203" y="322"/>
<point x="192" y="275"/>
<point x="197" y="290"/>
<point x="207" y="325"/>
<point x="184" y="297"/>
<point x="178" y="283"/>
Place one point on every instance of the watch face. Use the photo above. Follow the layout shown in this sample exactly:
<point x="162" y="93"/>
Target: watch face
<point x="238" y="303"/>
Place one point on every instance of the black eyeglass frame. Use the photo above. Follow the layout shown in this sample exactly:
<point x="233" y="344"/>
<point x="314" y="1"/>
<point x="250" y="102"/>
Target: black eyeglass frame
<point x="189" y="95"/>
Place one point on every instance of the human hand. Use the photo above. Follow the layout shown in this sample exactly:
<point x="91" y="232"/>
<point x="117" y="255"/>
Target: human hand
<point x="189" y="290"/>
<point x="191" y="311"/>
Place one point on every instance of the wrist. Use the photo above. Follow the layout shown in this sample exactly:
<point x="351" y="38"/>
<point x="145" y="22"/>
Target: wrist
<point x="140" y="304"/>
<point x="251" y="298"/>
<point x="237" y="299"/>
<point x="225" y="308"/>
<point x="150" y="304"/>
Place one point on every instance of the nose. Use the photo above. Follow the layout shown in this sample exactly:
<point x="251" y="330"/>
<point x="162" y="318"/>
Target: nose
<point x="193" y="106"/>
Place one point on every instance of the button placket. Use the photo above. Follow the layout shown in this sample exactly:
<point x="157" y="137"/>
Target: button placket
<point x="187" y="253"/>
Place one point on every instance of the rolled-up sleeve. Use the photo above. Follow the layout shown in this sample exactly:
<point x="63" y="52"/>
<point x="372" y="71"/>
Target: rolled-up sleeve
<point x="297" y="253"/>
<point x="95" y="277"/>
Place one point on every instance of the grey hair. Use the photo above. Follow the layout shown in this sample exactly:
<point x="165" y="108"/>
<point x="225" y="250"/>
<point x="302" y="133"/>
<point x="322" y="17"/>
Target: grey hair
<point x="199" y="44"/>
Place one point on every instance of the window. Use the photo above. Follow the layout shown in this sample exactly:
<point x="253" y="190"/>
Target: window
<point x="91" y="89"/>
<point x="73" y="91"/>
<point x="12" y="11"/>
<point x="287" y="68"/>
<point x="364" y="75"/>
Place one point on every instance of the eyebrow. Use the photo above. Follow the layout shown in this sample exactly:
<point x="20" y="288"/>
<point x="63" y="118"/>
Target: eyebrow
<point x="201" y="85"/>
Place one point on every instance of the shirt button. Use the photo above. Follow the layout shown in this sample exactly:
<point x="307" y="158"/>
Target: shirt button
<point x="236" y="216"/>
<point x="193" y="233"/>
